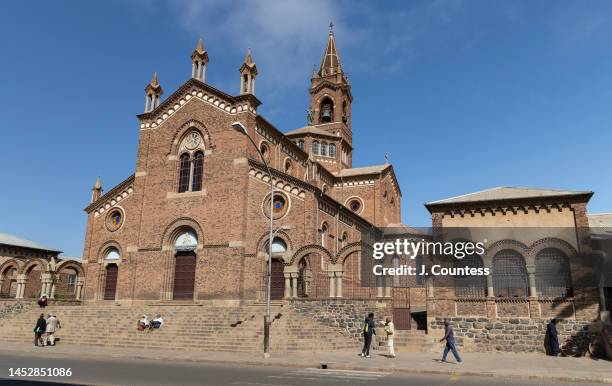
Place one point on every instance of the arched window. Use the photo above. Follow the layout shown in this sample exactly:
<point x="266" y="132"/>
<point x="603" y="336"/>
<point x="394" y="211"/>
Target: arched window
<point x="332" y="150"/>
<point x="327" y="111"/>
<point x="184" y="173"/>
<point x="343" y="239"/>
<point x="198" y="171"/>
<point x="186" y="241"/>
<point x="279" y="245"/>
<point x="112" y="254"/>
<point x="288" y="166"/>
<point x="301" y="144"/>
<point x="191" y="164"/>
<point x="509" y="274"/>
<point x="324" y="149"/>
<point x="470" y="286"/>
<point x="323" y="234"/>
<point x="265" y="151"/>
<point x="553" y="274"/>
<point x="315" y="148"/>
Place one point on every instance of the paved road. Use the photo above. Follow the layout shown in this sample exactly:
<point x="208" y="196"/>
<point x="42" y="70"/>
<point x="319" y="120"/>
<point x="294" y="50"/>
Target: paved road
<point x="115" y="371"/>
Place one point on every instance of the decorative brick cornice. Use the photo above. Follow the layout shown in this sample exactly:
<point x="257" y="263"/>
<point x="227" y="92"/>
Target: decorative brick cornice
<point x="113" y="196"/>
<point x="509" y="205"/>
<point x="194" y="88"/>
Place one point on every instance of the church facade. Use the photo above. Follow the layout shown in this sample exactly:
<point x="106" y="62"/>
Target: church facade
<point x="190" y="224"/>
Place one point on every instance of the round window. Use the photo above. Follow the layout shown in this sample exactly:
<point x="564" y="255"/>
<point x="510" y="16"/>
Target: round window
<point x="355" y="205"/>
<point x="280" y="205"/>
<point x="114" y="220"/>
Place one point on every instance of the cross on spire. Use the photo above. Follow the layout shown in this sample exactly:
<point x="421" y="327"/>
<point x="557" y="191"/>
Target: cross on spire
<point x="331" y="27"/>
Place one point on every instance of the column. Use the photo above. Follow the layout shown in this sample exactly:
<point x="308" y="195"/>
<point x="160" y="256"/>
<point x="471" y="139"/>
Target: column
<point x="203" y="72"/>
<point x="79" y="288"/>
<point x="429" y="288"/>
<point x="339" y="284"/>
<point x="1" y="283"/>
<point x="332" y="284"/>
<point x="534" y="304"/>
<point x="287" y="285"/>
<point x="532" y="281"/>
<point x="193" y="67"/>
<point x="294" y="286"/>
<point x="21" y="283"/>
<point x="490" y="292"/>
<point x="52" y="296"/>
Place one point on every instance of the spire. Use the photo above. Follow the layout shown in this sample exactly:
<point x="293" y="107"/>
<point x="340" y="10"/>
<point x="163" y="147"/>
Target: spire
<point x="248" y="72"/>
<point x="154" y="82"/>
<point x="199" y="60"/>
<point x="153" y="92"/>
<point x="314" y="71"/>
<point x="96" y="191"/>
<point x="248" y="59"/>
<point x="200" y="47"/>
<point x="330" y="63"/>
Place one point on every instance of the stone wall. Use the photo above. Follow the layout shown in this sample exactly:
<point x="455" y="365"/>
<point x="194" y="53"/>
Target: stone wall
<point x="506" y="334"/>
<point x="348" y="315"/>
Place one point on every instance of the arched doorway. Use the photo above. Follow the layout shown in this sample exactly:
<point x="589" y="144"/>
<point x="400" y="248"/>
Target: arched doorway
<point x="9" y="282"/>
<point x="110" y="284"/>
<point x="277" y="279"/>
<point x="66" y="283"/>
<point x="33" y="284"/>
<point x="184" y="266"/>
<point x="277" y="283"/>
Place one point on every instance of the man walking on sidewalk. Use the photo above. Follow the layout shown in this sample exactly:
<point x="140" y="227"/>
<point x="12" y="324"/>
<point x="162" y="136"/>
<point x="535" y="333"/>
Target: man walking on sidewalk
<point x="368" y="331"/>
<point x="449" y="336"/>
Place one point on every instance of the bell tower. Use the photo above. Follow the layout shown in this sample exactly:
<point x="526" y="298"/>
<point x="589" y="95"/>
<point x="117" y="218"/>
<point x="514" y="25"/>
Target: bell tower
<point x="330" y="96"/>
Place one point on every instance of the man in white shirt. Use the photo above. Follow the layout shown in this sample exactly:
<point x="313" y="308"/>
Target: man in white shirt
<point x="53" y="324"/>
<point x="390" y="331"/>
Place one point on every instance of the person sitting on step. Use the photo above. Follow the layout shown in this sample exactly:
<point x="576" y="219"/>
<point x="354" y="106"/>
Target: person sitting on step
<point x="157" y="322"/>
<point x="143" y="323"/>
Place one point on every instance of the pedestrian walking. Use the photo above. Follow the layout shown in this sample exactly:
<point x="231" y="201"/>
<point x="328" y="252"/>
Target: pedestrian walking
<point x="39" y="330"/>
<point x="552" y="337"/>
<point x="53" y="324"/>
<point x="368" y="332"/>
<point x="449" y="336"/>
<point x="390" y="331"/>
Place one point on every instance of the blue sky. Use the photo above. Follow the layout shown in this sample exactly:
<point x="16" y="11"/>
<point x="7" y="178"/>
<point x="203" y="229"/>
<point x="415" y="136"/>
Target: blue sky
<point x="463" y="95"/>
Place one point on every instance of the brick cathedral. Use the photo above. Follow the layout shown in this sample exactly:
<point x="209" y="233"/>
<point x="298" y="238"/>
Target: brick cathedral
<point x="191" y="223"/>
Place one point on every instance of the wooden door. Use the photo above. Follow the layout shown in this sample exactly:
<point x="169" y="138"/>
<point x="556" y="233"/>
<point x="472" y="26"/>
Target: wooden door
<point x="184" y="276"/>
<point x="401" y="308"/>
<point x="277" y="282"/>
<point x="110" y="287"/>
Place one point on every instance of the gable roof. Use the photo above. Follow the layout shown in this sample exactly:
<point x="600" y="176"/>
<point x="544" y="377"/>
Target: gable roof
<point x="361" y="171"/>
<point x="15" y="241"/>
<point x="508" y="193"/>
<point x="310" y="130"/>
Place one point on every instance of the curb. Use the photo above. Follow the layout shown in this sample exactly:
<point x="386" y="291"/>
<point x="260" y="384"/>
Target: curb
<point x="315" y="364"/>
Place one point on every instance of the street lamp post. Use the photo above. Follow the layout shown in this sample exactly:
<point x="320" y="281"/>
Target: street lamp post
<point x="238" y="126"/>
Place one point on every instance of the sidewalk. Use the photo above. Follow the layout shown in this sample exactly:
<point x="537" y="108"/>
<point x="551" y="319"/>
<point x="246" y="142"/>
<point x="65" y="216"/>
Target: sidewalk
<point x="506" y="365"/>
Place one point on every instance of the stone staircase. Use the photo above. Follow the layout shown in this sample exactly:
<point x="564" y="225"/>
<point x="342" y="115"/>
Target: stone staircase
<point x="408" y="341"/>
<point x="187" y="327"/>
